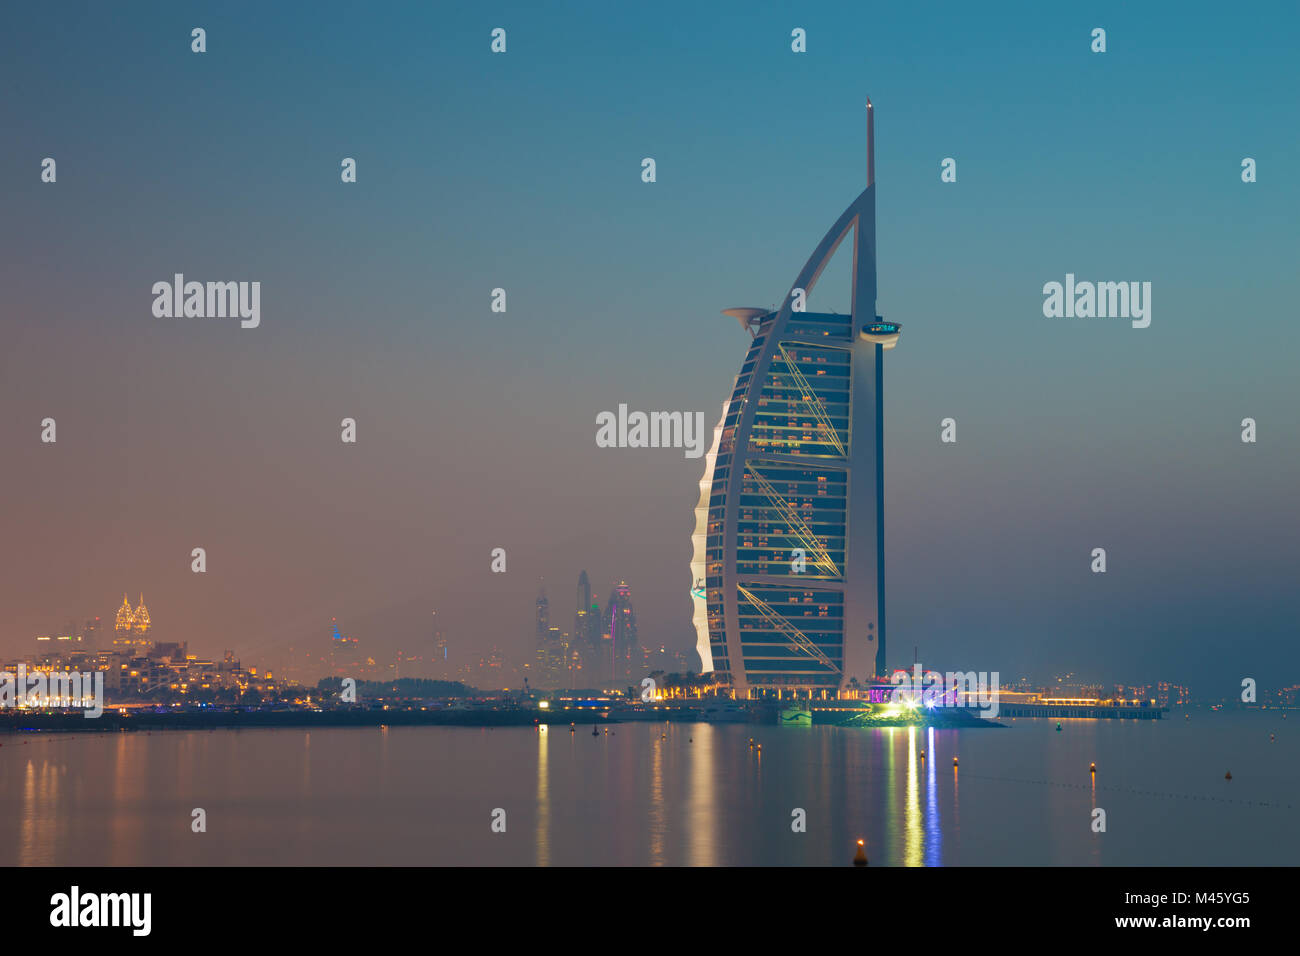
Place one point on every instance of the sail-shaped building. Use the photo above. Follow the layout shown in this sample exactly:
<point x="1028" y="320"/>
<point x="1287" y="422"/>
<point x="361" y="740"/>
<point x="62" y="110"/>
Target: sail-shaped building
<point x="793" y="587"/>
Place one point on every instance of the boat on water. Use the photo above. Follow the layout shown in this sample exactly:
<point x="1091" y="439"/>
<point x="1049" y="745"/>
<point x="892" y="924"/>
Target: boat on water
<point x="794" y="716"/>
<point x="724" y="712"/>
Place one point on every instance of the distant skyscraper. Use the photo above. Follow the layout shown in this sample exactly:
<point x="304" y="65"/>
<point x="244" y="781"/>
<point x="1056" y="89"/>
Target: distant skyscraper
<point x="90" y="634"/>
<point x="583" y="607"/>
<point x="587" y="623"/>
<point x="346" y="659"/>
<point x="588" y="626"/>
<point x="620" y="619"/>
<point x="794" y="550"/>
<point x="557" y="655"/>
<point x="543" y="614"/>
<point x="551" y="648"/>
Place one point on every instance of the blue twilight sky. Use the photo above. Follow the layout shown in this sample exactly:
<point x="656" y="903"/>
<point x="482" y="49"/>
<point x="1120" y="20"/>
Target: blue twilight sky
<point x="476" y="430"/>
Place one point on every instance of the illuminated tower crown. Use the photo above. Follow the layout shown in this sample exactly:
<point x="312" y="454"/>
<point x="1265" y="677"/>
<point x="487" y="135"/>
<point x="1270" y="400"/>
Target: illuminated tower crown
<point x="141" y="624"/>
<point x="124" y="616"/>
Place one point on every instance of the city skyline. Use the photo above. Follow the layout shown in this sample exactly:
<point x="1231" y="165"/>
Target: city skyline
<point x="484" y="670"/>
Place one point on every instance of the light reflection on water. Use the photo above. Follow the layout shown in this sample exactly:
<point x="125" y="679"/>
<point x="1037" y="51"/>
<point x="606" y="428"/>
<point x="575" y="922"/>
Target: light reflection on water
<point x="912" y="834"/>
<point x="658" y="794"/>
<point x="543" y="798"/>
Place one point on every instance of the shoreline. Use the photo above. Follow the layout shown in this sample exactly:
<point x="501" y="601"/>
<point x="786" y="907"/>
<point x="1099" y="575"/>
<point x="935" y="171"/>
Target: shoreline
<point x="113" y="721"/>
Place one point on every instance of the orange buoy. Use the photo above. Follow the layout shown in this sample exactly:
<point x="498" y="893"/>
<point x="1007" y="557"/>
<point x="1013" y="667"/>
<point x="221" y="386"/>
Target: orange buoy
<point x="1228" y="775"/>
<point x="860" y="858"/>
<point x="1093" y="767"/>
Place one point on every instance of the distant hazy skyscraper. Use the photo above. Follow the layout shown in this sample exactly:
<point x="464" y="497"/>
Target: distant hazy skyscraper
<point x="587" y="628"/>
<point x="346" y="658"/>
<point x="620" y="620"/>
<point x="582" y="613"/>
<point x="550" y="647"/>
<point x="543" y="614"/>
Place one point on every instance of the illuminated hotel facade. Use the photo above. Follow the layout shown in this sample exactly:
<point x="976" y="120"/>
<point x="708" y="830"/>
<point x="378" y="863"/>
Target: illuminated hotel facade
<point x="131" y="628"/>
<point x="788" y="567"/>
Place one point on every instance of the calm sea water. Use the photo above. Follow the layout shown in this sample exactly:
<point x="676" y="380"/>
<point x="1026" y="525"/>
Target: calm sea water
<point x="699" y="796"/>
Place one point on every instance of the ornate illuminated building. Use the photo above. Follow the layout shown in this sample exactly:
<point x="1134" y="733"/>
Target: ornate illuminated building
<point x="131" y="628"/>
<point x="124" y="617"/>
<point x="140" y="624"/>
<point x="793" y="556"/>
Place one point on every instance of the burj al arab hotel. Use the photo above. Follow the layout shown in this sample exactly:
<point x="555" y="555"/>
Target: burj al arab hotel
<point x="789" y="562"/>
